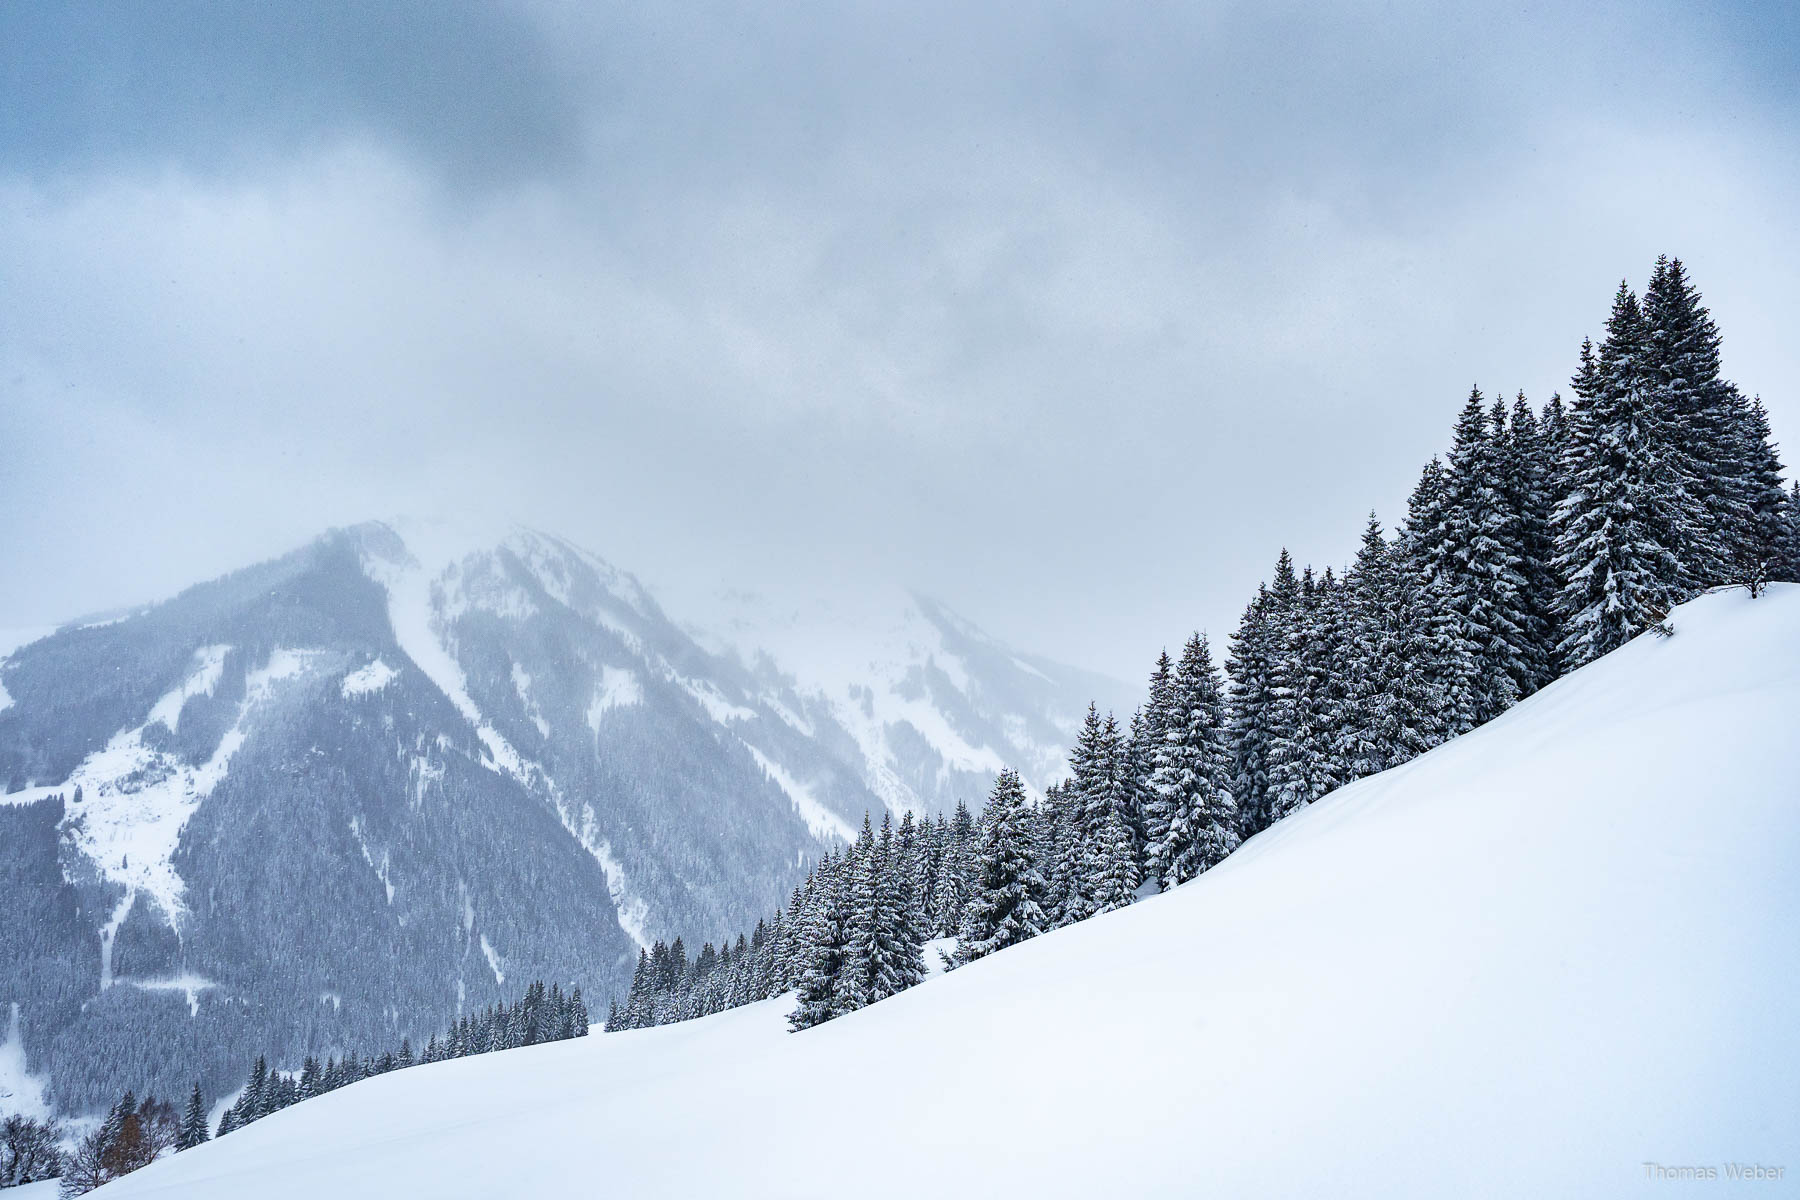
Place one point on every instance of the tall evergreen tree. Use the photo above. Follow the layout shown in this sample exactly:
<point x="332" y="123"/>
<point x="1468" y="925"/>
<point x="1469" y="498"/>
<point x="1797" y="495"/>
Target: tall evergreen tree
<point x="1758" y="552"/>
<point x="891" y="960"/>
<point x="1152" y="729"/>
<point x="1058" y="839"/>
<point x="821" y="948"/>
<point x="1528" y="487"/>
<point x="956" y="872"/>
<point x="1007" y="906"/>
<point x="1390" y="707"/>
<point x="1620" y="531"/>
<point x="1692" y="412"/>
<point x="1437" y="649"/>
<point x="1789" y="543"/>
<point x="1475" y="557"/>
<point x="1252" y="661"/>
<point x="193" y="1122"/>
<point x="1192" y="809"/>
<point x="1107" y="875"/>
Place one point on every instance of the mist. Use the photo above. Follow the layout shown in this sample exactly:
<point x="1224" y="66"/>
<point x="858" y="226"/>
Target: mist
<point x="1070" y="317"/>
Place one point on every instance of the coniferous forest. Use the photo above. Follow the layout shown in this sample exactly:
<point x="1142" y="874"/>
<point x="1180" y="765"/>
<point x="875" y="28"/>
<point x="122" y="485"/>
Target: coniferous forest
<point x="1542" y="539"/>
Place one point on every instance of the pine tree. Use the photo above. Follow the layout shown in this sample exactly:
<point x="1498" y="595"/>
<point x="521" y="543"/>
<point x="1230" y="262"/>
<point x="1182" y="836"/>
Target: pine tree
<point x="1058" y="834"/>
<point x="257" y="1101"/>
<point x="193" y="1122"/>
<point x="1306" y="718"/>
<point x="1152" y="731"/>
<point x="955" y="875"/>
<point x="1101" y="868"/>
<point x="578" y="1013"/>
<point x="1386" y="707"/>
<point x="898" y="962"/>
<point x="1691" y="414"/>
<point x="1289" y="747"/>
<point x="1474" y="556"/>
<point x="1789" y="542"/>
<point x="1194" y="815"/>
<point x="1527" y="485"/>
<point x="1135" y="749"/>
<point x="820" y="947"/>
<point x="1007" y="906"/>
<point x="1251" y="664"/>
<point x="1758" y="552"/>
<point x="1437" y="648"/>
<point x="855" y="984"/>
<point x="1620" y="530"/>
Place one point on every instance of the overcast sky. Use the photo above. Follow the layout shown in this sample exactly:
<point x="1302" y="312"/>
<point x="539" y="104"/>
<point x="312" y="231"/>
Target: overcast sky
<point x="1071" y="315"/>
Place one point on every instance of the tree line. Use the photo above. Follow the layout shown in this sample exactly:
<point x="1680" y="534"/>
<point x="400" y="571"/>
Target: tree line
<point x="1541" y="541"/>
<point x="134" y="1134"/>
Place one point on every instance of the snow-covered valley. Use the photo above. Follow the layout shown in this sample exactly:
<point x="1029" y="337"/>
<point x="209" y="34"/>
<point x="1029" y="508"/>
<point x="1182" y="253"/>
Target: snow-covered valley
<point x="1538" y="960"/>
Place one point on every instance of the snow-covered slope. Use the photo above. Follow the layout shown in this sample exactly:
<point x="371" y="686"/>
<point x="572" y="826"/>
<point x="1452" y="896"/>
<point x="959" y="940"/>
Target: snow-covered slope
<point x="1528" y="963"/>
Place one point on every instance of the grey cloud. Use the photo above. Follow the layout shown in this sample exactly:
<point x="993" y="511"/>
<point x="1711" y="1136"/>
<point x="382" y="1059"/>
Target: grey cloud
<point x="1070" y="315"/>
<point x="210" y="85"/>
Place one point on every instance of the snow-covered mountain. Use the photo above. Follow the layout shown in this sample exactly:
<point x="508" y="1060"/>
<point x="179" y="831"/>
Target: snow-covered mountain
<point x="1539" y="960"/>
<point x="403" y="770"/>
<point x="933" y="706"/>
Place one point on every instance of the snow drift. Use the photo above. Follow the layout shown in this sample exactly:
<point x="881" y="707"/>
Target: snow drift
<point x="1529" y="963"/>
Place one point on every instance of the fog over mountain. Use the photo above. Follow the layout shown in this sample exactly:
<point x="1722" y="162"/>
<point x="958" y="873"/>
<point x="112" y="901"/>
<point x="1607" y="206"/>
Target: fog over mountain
<point x="346" y="795"/>
<point x="1067" y="316"/>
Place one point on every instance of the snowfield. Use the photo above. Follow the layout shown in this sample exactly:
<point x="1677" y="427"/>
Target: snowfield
<point x="1527" y="964"/>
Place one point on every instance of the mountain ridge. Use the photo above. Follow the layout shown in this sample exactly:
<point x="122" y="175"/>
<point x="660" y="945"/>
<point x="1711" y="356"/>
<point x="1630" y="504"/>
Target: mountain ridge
<point x="433" y="727"/>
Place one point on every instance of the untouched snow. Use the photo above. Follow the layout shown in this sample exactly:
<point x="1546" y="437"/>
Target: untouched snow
<point x="618" y="688"/>
<point x="109" y="932"/>
<point x="1526" y="964"/>
<point x="707" y="693"/>
<point x="493" y="960"/>
<point x="366" y="680"/>
<point x="188" y="984"/>
<point x="821" y="820"/>
<point x="634" y="911"/>
<point x="209" y="666"/>
<point x="21" y="1092"/>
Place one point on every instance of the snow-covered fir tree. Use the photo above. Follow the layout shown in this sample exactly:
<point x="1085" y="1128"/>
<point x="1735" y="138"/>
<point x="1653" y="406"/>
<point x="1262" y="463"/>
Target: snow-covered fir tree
<point x="956" y="872"/>
<point x="1058" y="830"/>
<point x="1692" y="417"/>
<point x="1191" y="812"/>
<point x="1528" y="482"/>
<point x="1437" y="648"/>
<point x="1007" y="906"/>
<point x="1251" y="663"/>
<point x="1474" y="558"/>
<point x="193" y="1122"/>
<point x="821" y="952"/>
<point x="1106" y="872"/>
<point x="1759" y="551"/>
<point x="1788" y="544"/>
<point x="1628" y="516"/>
